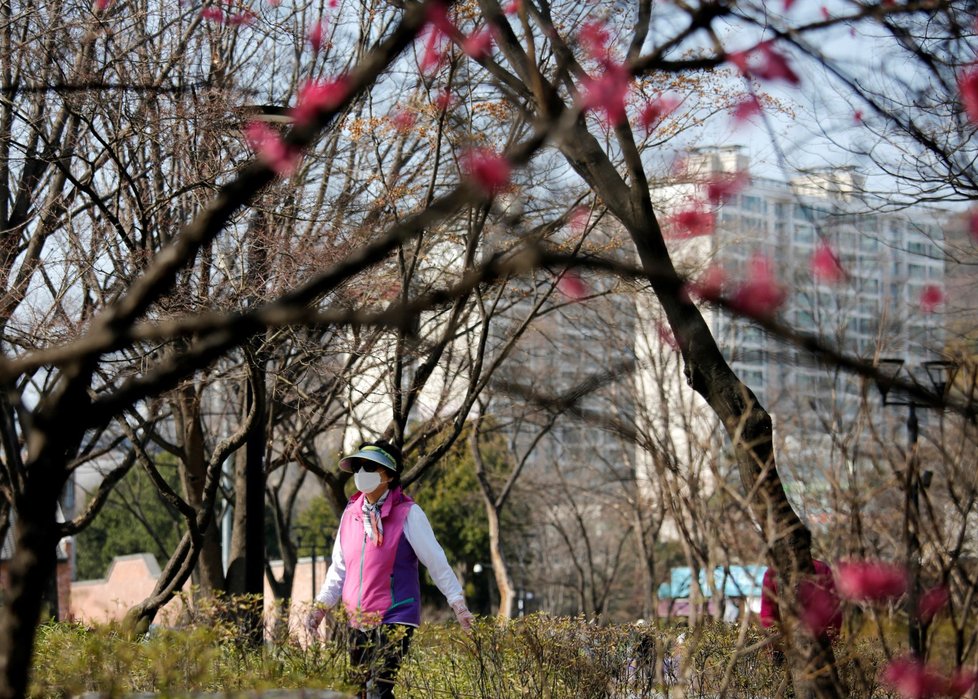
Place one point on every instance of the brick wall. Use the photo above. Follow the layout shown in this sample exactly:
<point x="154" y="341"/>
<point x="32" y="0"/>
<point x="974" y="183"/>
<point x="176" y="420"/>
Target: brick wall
<point x="130" y="580"/>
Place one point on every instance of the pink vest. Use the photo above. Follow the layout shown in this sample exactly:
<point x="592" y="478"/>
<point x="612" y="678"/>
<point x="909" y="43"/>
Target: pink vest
<point x="382" y="583"/>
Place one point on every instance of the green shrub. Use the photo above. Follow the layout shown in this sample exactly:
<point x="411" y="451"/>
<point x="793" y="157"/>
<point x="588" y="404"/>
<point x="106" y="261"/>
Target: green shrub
<point x="536" y="656"/>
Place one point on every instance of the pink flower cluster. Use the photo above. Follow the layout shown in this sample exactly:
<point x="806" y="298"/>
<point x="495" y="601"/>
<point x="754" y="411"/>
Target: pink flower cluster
<point x="271" y="149"/>
<point x="765" y="63"/>
<point x="607" y="92"/>
<point x="968" y="87"/>
<point x="931" y="296"/>
<point x="725" y="187"/>
<point x="759" y="295"/>
<point x="745" y="109"/>
<point x="488" y="170"/>
<point x="571" y="285"/>
<point x="912" y="679"/>
<point x="213" y="14"/>
<point x="656" y="110"/>
<point x="315" y="35"/>
<point x="317" y="96"/>
<point x="871" y="581"/>
<point x="825" y="264"/>
<point x="477" y="45"/>
<point x="691" y="223"/>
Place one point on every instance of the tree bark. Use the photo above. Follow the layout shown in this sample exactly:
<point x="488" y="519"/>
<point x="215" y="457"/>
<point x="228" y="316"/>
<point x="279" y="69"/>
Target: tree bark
<point x="500" y="569"/>
<point x="210" y="567"/>
<point x="744" y="419"/>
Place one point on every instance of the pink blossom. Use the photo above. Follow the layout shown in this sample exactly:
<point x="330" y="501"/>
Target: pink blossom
<point x="513" y="7"/>
<point x="960" y="682"/>
<point x="709" y="286"/>
<point x="274" y="3"/>
<point x="911" y="679"/>
<point x="691" y="223"/>
<point x="487" y="169"/>
<point x="438" y="18"/>
<point x="315" y="35"/>
<point x="244" y="18"/>
<point x="666" y="335"/>
<point x="820" y="610"/>
<point x="102" y="5"/>
<point x="761" y="294"/>
<point x="764" y="62"/>
<point x="607" y="92"/>
<point x="657" y="110"/>
<point x="825" y="264"/>
<point x="571" y="285"/>
<point x="213" y="14"/>
<point x="726" y="186"/>
<point x="741" y="59"/>
<point x="871" y="581"/>
<point x="333" y="4"/>
<point x="434" y="52"/>
<point x="932" y="602"/>
<point x="270" y="148"/>
<point x="579" y="218"/>
<point x="594" y="38"/>
<point x="478" y="45"/>
<point x="774" y="65"/>
<point x="931" y="296"/>
<point x="403" y="120"/>
<point x="968" y="86"/>
<point x="317" y="96"/>
<point x="788" y="5"/>
<point x="826" y="15"/>
<point x="746" y="109"/>
<point x="444" y="100"/>
<point x="857" y="116"/>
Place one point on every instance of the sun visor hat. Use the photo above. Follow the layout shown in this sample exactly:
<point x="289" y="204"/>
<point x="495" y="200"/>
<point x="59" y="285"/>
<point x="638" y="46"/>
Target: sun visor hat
<point x="369" y="453"/>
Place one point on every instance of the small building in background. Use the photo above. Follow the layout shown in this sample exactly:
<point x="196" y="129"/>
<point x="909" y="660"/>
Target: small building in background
<point x="730" y="593"/>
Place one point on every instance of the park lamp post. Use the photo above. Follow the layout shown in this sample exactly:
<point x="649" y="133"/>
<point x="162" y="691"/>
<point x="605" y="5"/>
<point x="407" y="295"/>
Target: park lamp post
<point x="479" y="569"/>
<point x="522" y="594"/>
<point x="941" y="375"/>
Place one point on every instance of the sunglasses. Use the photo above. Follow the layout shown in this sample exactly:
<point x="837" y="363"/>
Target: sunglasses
<point x="368" y="466"/>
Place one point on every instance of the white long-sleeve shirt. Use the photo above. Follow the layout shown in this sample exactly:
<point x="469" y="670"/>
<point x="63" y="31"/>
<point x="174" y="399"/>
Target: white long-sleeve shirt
<point x="418" y="532"/>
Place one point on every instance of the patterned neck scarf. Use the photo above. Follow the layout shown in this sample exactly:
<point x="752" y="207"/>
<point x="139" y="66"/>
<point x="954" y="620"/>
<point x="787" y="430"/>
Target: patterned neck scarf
<point x="373" y="525"/>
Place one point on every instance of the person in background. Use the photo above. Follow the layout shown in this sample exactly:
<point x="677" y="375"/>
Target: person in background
<point x="381" y="538"/>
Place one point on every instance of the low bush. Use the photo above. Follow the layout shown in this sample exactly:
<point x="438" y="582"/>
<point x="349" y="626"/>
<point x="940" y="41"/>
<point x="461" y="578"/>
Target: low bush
<point x="536" y="656"/>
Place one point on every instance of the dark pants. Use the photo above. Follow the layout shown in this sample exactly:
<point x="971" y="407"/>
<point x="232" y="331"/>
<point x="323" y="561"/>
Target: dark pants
<point x="375" y="658"/>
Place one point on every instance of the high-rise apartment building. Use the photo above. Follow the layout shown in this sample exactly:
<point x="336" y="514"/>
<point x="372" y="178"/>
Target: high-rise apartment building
<point x="893" y="264"/>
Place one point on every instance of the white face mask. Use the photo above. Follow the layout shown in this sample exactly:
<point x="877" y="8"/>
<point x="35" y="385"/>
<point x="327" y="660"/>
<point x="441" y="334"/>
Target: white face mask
<point x="366" y="482"/>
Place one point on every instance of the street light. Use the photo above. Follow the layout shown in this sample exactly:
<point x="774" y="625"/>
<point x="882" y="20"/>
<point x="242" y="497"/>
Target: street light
<point x="478" y="569"/>
<point x="941" y="374"/>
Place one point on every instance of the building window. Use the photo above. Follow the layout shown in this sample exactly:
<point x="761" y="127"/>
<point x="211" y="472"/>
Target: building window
<point x="805" y="234"/>
<point x="916" y="271"/>
<point x="755" y="204"/>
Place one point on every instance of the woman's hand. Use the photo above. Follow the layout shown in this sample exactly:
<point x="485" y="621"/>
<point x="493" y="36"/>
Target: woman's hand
<point x="313" y="620"/>
<point x="464" y="616"/>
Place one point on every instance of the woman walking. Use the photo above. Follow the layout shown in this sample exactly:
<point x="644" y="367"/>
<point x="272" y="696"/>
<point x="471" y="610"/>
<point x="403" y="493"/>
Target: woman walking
<point x="382" y="536"/>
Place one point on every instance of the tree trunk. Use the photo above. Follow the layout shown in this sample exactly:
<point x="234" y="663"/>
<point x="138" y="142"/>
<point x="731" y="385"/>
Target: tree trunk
<point x="500" y="570"/>
<point x="30" y="571"/>
<point x="210" y="566"/>
<point x="746" y="422"/>
<point x="52" y="435"/>
<point x="246" y="569"/>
